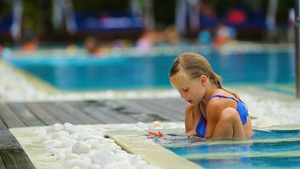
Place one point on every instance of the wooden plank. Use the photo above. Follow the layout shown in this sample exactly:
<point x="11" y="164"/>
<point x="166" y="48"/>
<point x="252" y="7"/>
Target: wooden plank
<point x="103" y="117"/>
<point x="117" y="114"/>
<point x="59" y="113"/>
<point x="142" y="106"/>
<point x="42" y="114"/>
<point x="119" y="111"/>
<point x="177" y="102"/>
<point x="175" y="105"/>
<point x="166" y="108"/>
<point x="103" y="113"/>
<point x="88" y="108"/>
<point x="2" y="125"/>
<point x="2" y="163"/>
<point x="72" y="111"/>
<point x="23" y="113"/>
<point x="12" y="154"/>
<point x="9" y="118"/>
<point x="154" y="110"/>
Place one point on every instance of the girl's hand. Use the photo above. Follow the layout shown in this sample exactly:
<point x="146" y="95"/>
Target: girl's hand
<point x="156" y="134"/>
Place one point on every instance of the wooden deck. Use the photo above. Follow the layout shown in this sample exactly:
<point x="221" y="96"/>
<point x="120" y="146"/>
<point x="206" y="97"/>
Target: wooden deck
<point x="77" y="112"/>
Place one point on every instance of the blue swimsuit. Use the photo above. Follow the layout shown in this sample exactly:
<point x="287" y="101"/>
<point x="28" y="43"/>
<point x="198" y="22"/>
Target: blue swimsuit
<point x="241" y="108"/>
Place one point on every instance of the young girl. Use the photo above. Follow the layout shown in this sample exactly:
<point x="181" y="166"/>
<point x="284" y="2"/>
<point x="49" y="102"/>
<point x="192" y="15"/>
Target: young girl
<point x="212" y="110"/>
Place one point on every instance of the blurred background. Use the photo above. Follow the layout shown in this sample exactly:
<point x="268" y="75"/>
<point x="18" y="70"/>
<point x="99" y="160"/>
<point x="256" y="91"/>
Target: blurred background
<point x="131" y="44"/>
<point x="73" y="21"/>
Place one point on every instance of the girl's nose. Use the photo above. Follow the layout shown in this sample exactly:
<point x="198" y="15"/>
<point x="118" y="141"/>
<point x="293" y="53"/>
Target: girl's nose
<point x="182" y="95"/>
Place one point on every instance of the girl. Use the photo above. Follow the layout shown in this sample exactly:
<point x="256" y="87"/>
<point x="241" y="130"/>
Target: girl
<point x="212" y="110"/>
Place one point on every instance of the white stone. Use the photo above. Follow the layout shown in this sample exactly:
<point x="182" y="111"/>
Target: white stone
<point x="107" y="140"/>
<point x="46" y="138"/>
<point x="134" y="158"/>
<point x="119" y="164"/>
<point x="58" y="134"/>
<point x="88" y="135"/>
<point x="57" y="127"/>
<point x="92" y="141"/>
<point x="53" y="144"/>
<point x="157" y="125"/>
<point x="94" y="166"/>
<point x="81" y="147"/>
<point x="60" y="156"/>
<point x="69" y="143"/>
<point x="142" y="125"/>
<point x="72" y="156"/>
<point x="70" y="128"/>
<point x="103" y="157"/>
<point x="140" y="164"/>
<point x="121" y="157"/>
<point x="74" y="163"/>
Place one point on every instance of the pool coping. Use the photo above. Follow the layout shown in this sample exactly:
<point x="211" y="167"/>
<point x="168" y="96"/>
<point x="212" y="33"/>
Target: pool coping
<point x="33" y="80"/>
<point x="132" y="141"/>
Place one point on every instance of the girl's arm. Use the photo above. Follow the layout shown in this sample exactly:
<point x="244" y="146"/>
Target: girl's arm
<point x="192" y="117"/>
<point x="213" y="111"/>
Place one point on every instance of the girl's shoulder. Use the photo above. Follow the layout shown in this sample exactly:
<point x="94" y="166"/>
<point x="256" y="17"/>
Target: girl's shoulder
<point x="221" y="100"/>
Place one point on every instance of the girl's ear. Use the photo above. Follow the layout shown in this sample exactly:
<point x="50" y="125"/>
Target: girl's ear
<point x="203" y="80"/>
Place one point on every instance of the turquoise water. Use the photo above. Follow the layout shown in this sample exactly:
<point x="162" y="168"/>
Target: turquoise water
<point x="267" y="149"/>
<point x="132" y="72"/>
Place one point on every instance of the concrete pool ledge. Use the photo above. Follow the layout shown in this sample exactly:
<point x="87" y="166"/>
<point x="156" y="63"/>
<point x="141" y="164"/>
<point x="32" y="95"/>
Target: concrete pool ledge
<point x="151" y="152"/>
<point x="34" y="81"/>
<point x="40" y="157"/>
<point x="134" y="142"/>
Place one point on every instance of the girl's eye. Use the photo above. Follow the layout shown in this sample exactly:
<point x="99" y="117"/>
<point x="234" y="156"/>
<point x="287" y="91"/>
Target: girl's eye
<point x="185" y="90"/>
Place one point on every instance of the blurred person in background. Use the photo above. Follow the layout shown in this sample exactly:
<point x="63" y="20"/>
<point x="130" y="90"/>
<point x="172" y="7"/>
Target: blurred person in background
<point x="91" y="45"/>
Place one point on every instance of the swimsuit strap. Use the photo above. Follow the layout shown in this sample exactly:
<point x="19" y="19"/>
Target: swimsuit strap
<point x="222" y="96"/>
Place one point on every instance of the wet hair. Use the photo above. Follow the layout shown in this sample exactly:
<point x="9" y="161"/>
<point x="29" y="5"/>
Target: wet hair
<point x="195" y="66"/>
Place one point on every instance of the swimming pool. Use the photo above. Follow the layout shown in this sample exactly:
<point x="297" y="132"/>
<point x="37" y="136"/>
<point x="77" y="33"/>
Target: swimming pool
<point x="151" y="72"/>
<point x="273" y="147"/>
<point x="268" y="149"/>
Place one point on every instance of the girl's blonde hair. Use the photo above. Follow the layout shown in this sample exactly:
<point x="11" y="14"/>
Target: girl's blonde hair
<point x="196" y="65"/>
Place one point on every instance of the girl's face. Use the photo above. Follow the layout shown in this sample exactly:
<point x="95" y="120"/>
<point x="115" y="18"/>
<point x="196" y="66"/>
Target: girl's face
<point x="191" y="90"/>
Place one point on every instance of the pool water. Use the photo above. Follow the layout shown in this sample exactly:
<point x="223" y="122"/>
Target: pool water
<point x="267" y="149"/>
<point x="151" y="72"/>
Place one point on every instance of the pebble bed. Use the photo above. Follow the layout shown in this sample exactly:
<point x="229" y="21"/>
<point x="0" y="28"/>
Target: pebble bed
<point x="83" y="147"/>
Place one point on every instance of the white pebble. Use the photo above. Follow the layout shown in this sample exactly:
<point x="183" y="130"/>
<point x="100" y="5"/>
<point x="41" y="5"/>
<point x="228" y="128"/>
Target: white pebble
<point x="119" y="164"/>
<point x="68" y="143"/>
<point x="53" y="144"/>
<point x="121" y="157"/>
<point x="172" y="126"/>
<point x="74" y="163"/>
<point x="72" y="156"/>
<point x="140" y="164"/>
<point x="46" y="138"/>
<point x="58" y="134"/>
<point x="81" y="147"/>
<point x="107" y="140"/>
<point x="92" y="141"/>
<point x="70" y="128"/>
<point x="94" y="166"/>
<point x="134" y="158"/>
<point x="142" y="125"/>
<point x="103" y="157"/>
<point x="157" y="125"/>
<point x="57" y="127"/>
